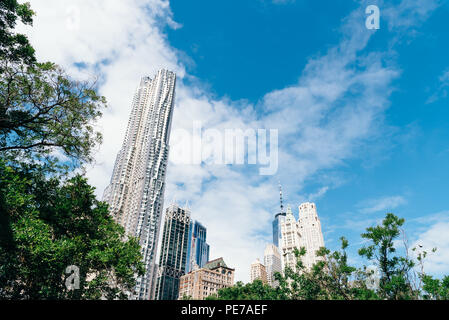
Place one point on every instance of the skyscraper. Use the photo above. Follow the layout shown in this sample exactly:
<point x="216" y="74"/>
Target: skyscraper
<point x="198" y="249"/>
<point x="258" y="271"/>
<point x="309" y="226"/>
<point x="272" y="262"/>
<point x="278" y="219"/>
<point x="306" y="232"/>
<point x="277" y="235"/>
<point x="290" y="240"/>
<point x="173" y="257"/>
<point x="136" y="192"/>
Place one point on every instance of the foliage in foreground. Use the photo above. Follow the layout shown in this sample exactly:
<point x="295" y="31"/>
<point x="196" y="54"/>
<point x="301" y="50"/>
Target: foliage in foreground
<point x="332" y="278"/>
<point x="48" y="225"/>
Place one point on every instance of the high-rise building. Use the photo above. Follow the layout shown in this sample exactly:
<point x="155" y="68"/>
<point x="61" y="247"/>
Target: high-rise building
<point x="290" y="240"/>
<point x="306" y="232"/>
<point x="173" y="257"/>
<point x="198" y="249"/>
<point x="201" y="283"/>
<point x="309" y="226"/>
<point x="277" y="222"/>
<point x="279" y="218"/>
<point x="136" y="192"/>
<point x="272" y="262"/>
<point x="258" y="272"/>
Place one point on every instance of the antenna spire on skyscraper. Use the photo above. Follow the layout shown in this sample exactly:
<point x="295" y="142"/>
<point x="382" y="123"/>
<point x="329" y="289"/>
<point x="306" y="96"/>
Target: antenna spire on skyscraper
<point x="280" y="197"/>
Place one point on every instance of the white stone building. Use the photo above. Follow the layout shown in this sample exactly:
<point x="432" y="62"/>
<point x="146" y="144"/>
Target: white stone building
<point x="306" y="232"/>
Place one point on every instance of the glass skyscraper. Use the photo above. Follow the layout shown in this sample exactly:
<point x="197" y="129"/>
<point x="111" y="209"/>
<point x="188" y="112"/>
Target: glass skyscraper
<point x="198" y="249"/>
<point x="173" y="257"/>
<point x="278" y="219"/>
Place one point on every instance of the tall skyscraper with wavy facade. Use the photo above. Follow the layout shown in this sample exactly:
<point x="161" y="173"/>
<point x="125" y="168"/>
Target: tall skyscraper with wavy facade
<point x="136" y="191"/>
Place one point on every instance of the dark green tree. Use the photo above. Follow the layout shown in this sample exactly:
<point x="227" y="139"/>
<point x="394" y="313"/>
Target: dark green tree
<point x="395" y="279"/>
<point x="435" y="289"/>
<point x="43" y="111"/>
<point x="48" y="225"/>
<point x="15" y="47"/>
<point x="256" y="290"/>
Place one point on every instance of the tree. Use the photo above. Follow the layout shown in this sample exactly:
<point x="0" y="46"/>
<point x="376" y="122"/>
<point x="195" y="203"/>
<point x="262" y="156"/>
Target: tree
<point x="43" y="111"/>
<point x="435" y="289"/>
<point x="395" y="280"/>
<point x="15" y="47"/>
<point x="48" y="225"/>
<point x="255" y="290"/>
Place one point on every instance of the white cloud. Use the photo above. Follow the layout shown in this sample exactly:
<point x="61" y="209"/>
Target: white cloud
<point x="409" y="13"/>
<point x="321" y="192"/>
<point x="436" y="236"/>
<point x="336" y="105"/>
<point x="381" y="204"/>
<point x="442" y="91"/>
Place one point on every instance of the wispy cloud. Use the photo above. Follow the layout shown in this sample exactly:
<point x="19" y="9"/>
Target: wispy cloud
<point x="436" y="236"/>
<point x="383" y="204"/>
<point x="321" y="192"/>
<point x="443" y="88"/>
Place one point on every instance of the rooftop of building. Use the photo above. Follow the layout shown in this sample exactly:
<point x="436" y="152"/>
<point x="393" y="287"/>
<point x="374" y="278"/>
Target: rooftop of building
<point x="216" y="263"/>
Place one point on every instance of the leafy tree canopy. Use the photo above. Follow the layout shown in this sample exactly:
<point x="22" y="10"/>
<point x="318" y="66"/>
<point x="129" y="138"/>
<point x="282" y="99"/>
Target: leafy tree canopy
<point x="47" y="225"/>
<point x="43" y="111"/>
<point x="15" y="47"/>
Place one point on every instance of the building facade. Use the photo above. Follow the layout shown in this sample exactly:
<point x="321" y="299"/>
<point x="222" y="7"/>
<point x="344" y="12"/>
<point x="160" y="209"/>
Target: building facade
<point x="309" y="226"/>
<point x="173" y="257"/>
<point x="258" y="272"/>
<point x="136" y="192"/>
<point x="273" y="264"/>
<point x="279" y="218"/>
<point x="201" y="283"/>
<point x="198" y="249"/>
<point x="290" y="240"/>
<point x="306" y="232"/>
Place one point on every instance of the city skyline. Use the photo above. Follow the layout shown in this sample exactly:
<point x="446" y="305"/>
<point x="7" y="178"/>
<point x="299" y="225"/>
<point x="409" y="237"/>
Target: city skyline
<point x="361" y="117"/>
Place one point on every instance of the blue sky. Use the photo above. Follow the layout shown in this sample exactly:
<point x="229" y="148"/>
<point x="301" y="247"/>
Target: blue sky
<point x="243" y="49"/>
<point x="362" y="114"/>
